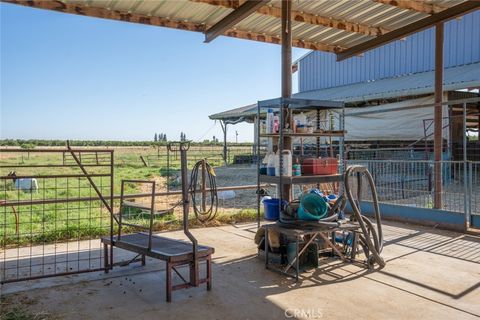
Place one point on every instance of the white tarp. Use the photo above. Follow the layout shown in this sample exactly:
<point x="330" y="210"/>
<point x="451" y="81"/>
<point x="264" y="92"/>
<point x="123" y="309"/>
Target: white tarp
<point x="407" y="124"/>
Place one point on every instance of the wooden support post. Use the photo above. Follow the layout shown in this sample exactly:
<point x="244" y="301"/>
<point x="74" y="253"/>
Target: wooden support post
<point x="223" y="124"/>
<point x="286" y="34"/>
<point x="438" y="138"/>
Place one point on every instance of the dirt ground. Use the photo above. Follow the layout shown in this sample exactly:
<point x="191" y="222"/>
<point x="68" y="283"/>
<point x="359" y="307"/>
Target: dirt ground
<point x="226" y="176"/>
<point x="430" y="274"/>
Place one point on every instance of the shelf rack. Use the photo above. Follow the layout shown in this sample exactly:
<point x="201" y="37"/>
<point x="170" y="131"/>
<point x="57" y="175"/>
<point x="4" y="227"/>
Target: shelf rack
<point x="284" y="139"/>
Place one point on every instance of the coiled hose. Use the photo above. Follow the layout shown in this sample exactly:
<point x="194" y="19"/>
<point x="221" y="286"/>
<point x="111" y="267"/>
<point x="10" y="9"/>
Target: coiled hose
<point x="210" y="213"/>
<point x="371" y="237"/>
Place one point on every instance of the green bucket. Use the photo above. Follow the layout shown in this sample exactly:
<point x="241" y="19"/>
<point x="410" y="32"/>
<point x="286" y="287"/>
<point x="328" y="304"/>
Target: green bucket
<point x="312" y="207"/>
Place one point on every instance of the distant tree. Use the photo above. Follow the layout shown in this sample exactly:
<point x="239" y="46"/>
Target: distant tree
<point x="165" y="137"/>
<point x="27" y="146"/>
<point x="155" y="138"/>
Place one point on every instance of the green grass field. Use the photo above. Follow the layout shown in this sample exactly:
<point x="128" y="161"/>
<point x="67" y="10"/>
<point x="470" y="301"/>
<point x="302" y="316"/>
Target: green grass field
<point x="46" y="223"/>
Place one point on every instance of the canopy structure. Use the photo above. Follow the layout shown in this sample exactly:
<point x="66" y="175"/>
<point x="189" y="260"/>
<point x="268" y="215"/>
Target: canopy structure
<point x="325" y="25"/>
<point x="344" y="27"/>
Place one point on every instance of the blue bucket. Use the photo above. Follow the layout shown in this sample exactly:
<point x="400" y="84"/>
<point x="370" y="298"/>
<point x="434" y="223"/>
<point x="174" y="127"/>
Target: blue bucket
<point x="272" y="208"/>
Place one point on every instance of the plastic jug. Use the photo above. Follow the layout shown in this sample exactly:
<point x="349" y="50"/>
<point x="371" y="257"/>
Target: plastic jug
<point x="269" y="122"/>
<point x="271" y="164"/>
<point x="301" y="119"/>
<point x="286" y="163"/>
<point x="276" y="122"/>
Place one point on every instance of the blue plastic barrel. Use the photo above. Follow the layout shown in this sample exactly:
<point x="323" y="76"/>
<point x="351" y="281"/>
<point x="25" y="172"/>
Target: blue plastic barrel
<point x="272" y="208"/>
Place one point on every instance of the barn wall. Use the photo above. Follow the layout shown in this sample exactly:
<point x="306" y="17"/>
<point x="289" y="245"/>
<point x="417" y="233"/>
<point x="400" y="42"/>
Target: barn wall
<point x="319" y="70"/>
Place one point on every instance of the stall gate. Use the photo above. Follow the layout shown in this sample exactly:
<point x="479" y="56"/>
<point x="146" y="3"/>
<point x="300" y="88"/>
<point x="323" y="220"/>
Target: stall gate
<point x="54" y="206"/>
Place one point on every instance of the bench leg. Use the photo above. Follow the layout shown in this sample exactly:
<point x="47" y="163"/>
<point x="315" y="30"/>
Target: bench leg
<point x="169" y="282"/>
<point x="209" y="273"/>
<point x="105" y="258"/>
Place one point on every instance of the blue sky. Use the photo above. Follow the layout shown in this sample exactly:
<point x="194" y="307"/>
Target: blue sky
<point x="71" y="77"/>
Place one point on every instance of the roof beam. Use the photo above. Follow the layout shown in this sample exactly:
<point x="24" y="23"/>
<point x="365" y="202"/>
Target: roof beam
<point x="419" y="6"/>
<point x="417" y="26"/>
<point x="243" y="11"/>
<point x="307" y="18"/>
<point x="81" y="9"/>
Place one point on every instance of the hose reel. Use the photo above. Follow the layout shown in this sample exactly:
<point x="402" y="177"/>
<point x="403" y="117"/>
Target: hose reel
<point x="204" y="214"/>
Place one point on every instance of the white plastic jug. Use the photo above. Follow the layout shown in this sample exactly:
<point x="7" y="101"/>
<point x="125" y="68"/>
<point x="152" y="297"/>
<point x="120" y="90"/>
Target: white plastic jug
<point x="286" y="163"/>
<point x="269" y="121"/>
<point x="301" y="119"/>
<point x="271" y="163"/>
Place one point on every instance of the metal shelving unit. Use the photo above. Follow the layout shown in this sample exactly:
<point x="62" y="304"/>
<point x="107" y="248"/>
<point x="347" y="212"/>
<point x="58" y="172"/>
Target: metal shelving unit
<point x="293" y="105"/>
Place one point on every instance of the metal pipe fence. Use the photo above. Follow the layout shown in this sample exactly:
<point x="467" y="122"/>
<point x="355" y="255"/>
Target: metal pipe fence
<point x="161" y="157"/>
<point x="53" y="226"/>
<point x="410" y="183"/>
<point x="46" y="226"/>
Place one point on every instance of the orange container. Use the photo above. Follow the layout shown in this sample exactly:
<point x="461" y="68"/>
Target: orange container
<point x="319" y="166"/>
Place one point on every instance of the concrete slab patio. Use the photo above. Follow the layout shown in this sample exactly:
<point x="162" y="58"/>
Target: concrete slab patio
<point x="430" y="274"/>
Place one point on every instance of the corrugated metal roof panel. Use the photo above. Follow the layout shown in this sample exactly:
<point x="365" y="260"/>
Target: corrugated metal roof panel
<point x="364" y="12"/>
<point x="320" y="70"/>
<point x="455" y="78"/>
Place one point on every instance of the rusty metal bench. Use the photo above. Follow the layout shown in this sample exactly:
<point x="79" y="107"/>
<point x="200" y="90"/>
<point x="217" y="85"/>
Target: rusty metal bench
<point x="175" y="253"/>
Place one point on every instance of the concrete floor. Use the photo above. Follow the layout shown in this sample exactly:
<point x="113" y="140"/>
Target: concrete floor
<point x="430" y="274"/>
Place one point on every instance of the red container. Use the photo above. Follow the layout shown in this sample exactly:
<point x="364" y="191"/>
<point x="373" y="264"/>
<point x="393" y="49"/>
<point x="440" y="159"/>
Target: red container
<point x="319" y="166"/>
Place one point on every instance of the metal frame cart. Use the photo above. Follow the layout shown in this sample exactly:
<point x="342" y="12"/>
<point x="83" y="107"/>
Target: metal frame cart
<point x="284" y="139"/>
<point x="313" y="234"/>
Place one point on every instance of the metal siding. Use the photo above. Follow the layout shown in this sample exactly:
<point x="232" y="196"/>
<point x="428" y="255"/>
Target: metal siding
<point x="320" y="70"/>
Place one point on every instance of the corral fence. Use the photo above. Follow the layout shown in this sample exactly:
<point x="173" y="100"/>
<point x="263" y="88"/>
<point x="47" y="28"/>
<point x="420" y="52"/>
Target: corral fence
<point x="55" y="205"/>
<point x="236" y="154"/>
<point x="58" y="204"/>
<point x="410" y="183"/>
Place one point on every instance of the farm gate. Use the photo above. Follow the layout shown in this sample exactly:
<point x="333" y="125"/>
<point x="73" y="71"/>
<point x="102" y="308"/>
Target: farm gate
<point x="54" y="206"/>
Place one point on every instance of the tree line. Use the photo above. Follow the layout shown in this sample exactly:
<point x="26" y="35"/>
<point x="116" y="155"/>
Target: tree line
<point x="32" y="143"/>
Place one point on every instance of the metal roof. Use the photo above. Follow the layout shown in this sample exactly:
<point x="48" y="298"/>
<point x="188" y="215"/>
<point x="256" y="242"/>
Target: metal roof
<point x="466" y="76"/>
<point x="320" y="70"/>
<point x="235" y="114"/>
<point x="324" y="25"/>
<point x="462" y="77"/>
